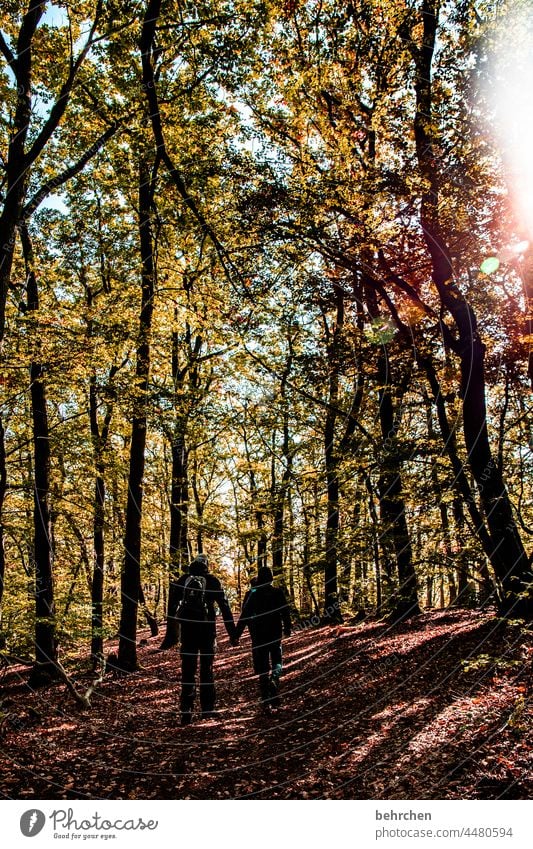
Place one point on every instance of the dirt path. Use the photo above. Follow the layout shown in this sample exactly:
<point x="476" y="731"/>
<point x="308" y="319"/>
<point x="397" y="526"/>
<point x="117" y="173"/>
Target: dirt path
<point x="418" y="711"/>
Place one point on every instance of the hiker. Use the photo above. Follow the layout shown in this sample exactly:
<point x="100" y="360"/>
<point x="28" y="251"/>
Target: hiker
<point x="197" y="594"/>
<point x="266" y="613"/>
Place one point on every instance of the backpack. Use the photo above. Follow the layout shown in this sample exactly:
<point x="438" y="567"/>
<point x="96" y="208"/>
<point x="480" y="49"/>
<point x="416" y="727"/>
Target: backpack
<point x="193" y="607"/>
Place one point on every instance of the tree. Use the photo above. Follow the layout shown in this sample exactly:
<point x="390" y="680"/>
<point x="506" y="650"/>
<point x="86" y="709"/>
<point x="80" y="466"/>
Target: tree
<point x="508" y="556"/>
<point x="21" y="158"/>
<point x="131" y="575"/>
<point x="45" y="637"/>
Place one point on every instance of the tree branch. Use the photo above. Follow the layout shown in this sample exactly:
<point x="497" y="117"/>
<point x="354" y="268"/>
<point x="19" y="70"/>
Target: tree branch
<point x="58" y="109"/>
<point x="413" y="295"/>
<point x="83" y="699"/>
<point x="146" y="45"/>
<point x="310" y="397"/>
<point x="68" y="173"/>
<point x="7" y="53"/>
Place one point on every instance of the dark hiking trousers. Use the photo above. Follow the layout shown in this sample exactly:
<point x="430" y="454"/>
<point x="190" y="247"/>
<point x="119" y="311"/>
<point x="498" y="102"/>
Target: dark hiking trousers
<point x="267" y="659"/>
<point x="190" y="651"/>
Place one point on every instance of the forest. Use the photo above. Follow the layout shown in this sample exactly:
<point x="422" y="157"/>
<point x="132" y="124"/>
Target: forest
<point x="266" y="290"/>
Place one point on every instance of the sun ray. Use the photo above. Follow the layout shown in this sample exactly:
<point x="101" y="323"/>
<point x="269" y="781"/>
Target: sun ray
<point x="513" y="109"/>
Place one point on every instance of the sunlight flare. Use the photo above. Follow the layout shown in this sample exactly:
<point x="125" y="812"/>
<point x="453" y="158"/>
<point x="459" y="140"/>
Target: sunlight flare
<point x="513" y="107"/>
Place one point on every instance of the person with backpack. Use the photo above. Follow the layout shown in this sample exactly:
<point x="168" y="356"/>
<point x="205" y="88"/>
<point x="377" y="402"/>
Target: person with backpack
<point x="197" y="593"/>
<point x="266" y="613"/>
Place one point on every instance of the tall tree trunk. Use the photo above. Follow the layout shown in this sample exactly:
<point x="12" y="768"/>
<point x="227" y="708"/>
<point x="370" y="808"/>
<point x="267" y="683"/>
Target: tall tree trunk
<point x="3" y="489"/>
<point x="460" y="479"/>
<point x="178" y="551"/>
<point x="279" y="497"/>
<point x="262" y="542"/>
<point x="45" y="641"/>
<point x="99" y="439"/>
<point x="199" y="507"/>
<point x="179" y="541"/>
<point x="280" y="493"/>
<point x="278" y="536"/>
<point x="332" y="610"/>
<point x="97" y="583"/>
<point x="257" y="508"/>
<point x="429" y="591"/>
<point x="83" y="561"/>
<point x="17" y="176"/>
<point x="309" y="600"/>
<point x="45" y="636"/>
<point x="290" y="550"/>
<point x="394" y="533"/>
<point x="507" y="554"/>
<point x="179" y="487"/>
<point x="17" y="172"/>
<point x="443" y="509"/>
<point x="131" y="574"/>
<point x="462" y="567"/>
<point x="374" y="528"/>
<point x="450" y="566"/>
<point x="8" y="230"/>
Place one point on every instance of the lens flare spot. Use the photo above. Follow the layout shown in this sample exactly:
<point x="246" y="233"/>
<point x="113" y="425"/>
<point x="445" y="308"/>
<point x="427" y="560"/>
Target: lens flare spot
<point x="490" y="265"/>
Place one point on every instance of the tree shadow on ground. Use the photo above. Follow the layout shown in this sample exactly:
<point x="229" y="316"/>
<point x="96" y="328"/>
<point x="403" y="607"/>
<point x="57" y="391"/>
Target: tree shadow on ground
<point x="370" y="711"/>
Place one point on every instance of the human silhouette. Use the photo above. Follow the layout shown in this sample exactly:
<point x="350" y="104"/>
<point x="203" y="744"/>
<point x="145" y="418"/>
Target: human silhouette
<point x="197" y="593"/>
<point x="266" y="613"/>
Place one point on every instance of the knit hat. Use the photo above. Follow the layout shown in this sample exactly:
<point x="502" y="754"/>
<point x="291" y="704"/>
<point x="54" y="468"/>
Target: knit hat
<point x="200" y="565"/>
<point x="264" y="576"/>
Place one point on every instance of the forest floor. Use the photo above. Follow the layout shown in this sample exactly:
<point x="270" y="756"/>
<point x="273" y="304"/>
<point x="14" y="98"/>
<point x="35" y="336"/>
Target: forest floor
<point x="435" y="708"/>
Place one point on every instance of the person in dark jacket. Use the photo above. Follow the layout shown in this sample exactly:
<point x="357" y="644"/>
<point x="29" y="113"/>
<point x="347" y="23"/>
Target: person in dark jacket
<point x="267" y="615"/>
<point x="253" y="583"/>
<point x="197" y="621"/>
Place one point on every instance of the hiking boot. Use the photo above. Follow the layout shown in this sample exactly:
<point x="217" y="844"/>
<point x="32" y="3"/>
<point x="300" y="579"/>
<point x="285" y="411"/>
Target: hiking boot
<point x="273" y="692"/>
<point x="186" y="717"/>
